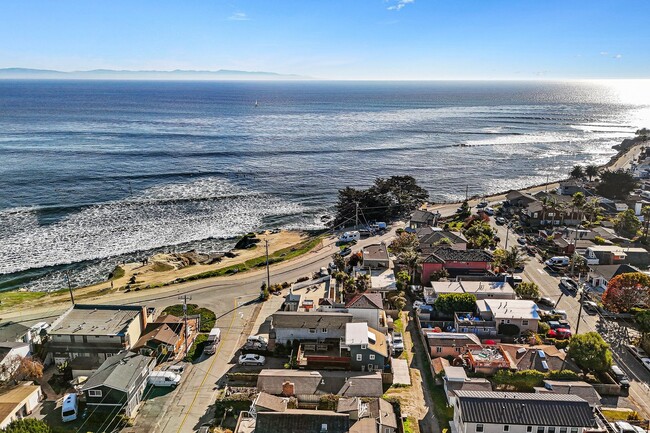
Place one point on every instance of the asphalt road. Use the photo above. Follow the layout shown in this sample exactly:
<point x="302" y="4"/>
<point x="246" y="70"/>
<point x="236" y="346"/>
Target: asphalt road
<point x="616" y="333"/>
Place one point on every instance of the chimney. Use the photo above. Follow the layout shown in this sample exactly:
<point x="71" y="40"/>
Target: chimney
<point x="288" y="389"/>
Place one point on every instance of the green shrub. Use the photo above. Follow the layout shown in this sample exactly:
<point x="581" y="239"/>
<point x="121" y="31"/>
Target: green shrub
<point x="524" y="380"/>
<point x="563" y="375"/>
<point x="543" y="328"/>
<point x="196" y="349"/>
<point x="208" y="318"/>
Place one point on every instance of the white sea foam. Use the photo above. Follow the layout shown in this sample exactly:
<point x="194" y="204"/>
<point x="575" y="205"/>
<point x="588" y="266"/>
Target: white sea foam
<point x="160" y="216"/>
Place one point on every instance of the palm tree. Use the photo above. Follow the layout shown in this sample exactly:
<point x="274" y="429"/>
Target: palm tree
<point x="411" y="259"/>
<point x="577" y="172"/>
<point x="591" y="171"/>
<point x="578" y="201"/>
<point x="362" y="283"/>
<point x="514" y="259"/>
<point x="591" y="209"/>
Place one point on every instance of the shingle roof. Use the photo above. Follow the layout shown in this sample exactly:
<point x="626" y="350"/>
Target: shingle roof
<point x="610" y="271"/>
<point x="365" y="425"/>
<point x="11" y="331"/>
<point x="270" y="402"/>
<point x="422" y="216"/>
<point x="383" y="411"/>
<point x="302" y="421"/>
<point x="96" y="320"/>
<point x="435" y="236"/>
<point x="486" y="407"/>
<point x="343" y="383"/>
<point x="347" y="404"/>
<point x="575" y="387"/>
<point x="366" y="300"/>
<point x="375" y="252"/>
<point x="119" y="371"/>
<point x="163" y="333"/>
<point x="298" y="319"/>
<point x="445" y="254"/>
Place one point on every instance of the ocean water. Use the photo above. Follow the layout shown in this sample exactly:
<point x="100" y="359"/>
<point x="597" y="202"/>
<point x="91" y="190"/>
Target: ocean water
<point x="93" y="173"/>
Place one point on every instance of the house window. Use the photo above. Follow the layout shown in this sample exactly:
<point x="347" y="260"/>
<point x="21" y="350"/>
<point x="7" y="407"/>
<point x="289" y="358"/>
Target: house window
<point x="529" y="429"/>
<point x="458" y="350"/>
<point x="438" y="349"/>
<point x="508" y="321"/>
<point x="551" y="430"/>
<point x="563" y="429"/>
<point x="364" y="346"/>
<point x="524" y="322"/>
<point x="506" y="427"/>
<point x="324" y="330"/>
<point x="479" y="428"/>
<point x="574" y="429"/>
<point x="372" y="357"/>
<point x="312" y="330"/>
<point x="541" y="429"/>
<point x="323" y="427"/>
<point x="94" y="393"/>
<point x="359" y="357"/>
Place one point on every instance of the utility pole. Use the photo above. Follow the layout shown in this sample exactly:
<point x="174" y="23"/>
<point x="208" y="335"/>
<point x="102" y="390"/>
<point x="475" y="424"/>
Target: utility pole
<point x="507" y="235"/>
<point x="185" y="298"/>
<point x="268" y="272"/>
<point x="574" y="253"/>
<point x="356" y="215"/>
<point x="67" y="277"/>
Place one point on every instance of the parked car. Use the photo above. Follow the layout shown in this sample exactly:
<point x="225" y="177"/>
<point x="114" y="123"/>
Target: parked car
<point x="176" y="368"/>
<point x="626" y="427"/>
<point x="252" y="359"/>
<point x="590" y="306"/>
<point x="398" y="342"/>
<point x="350" y="236"/>
<point x="620" y="376"/>
<point x="521" y="240"/>
<point x="636" y="351"/>
<point x="500" y="221"/>
<point x="482" y="204"/>
<point x="489" y="211"/>
<point x="646" y="362"/>
<point x="323" y="272"/>
<point x="559" y="333"/>
<point x="560" y="313"/>
<point x="332" y="267"/>
<point x="345" y="252"/>
<point x="557" y="261"/>
<point x="545" y="300"/>
<point x="165" y="379"/>
<point x="205" y="428"/>
<point x="531" y="250"/>
<point x="568" y="284"/>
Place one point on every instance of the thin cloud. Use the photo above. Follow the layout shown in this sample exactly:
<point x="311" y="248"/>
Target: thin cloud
<point x="618" y="56"/>
<point x="399" y="5"/>
<point x="604" y="53"/>
<point x="238" y="16"/>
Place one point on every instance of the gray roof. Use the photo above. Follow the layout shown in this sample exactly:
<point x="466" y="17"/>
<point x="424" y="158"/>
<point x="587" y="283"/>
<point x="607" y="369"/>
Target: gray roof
<point x="346" y="404"/>
<point x="270" y="402"/>
<point x="299" y="319"/>
<point x="610" y="271"/>
<point x="450" y="339"/>
<point x="119" y="371"/>
<point x="575" y="387"/>
<point x="12" y="331"/>
<point x="375" y="252"/>
<point x="489" y="407"/>
<point x="422" y="216"/>
<point x="429" y="239"/>
<point x="383" y="411"/>
<point x="446" y="254"/>
<point x="95" y="320"/>
<point x="343" y="383"/>
<point x="302" y="421"/>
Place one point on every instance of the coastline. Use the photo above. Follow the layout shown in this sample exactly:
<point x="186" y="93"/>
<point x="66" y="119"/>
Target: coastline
<point x="628" y="151"/>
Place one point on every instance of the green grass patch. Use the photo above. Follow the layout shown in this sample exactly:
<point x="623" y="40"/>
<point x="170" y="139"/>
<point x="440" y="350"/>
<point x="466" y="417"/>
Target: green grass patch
<point x="614" y="415"/>
<point x="398" y="325"/>
<point x="11" y="299"/>
<point x="277" y="257"/>
<point x="208" y="318"/>
<point x="197" y="347"/>
<point x="411" y="425"/>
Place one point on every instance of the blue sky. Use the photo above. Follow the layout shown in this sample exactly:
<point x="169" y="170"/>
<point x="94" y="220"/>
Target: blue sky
<point x="336" y="39"/>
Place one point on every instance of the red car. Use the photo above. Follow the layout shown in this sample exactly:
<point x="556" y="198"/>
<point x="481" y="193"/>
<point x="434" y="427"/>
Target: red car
<point x="559" y="333"/>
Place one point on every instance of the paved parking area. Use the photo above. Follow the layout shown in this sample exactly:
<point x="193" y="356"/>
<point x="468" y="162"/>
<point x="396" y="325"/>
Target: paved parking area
<point x="401" y="374"/>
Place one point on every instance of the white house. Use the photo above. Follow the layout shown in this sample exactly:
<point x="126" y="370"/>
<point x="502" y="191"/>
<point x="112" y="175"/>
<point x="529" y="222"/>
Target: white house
<point x="19" y="402"/>
<point x="295" y="325"/>
<point x="523" y="313"/>
<point x="516" y="412"/>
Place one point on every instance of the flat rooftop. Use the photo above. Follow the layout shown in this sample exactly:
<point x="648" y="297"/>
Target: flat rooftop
<point x="509" y="308"/>
<point x="95" y="320"/>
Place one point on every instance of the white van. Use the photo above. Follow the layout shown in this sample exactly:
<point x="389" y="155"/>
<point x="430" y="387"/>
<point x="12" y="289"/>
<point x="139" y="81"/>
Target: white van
<point x="70" y="408"/>
<point x="256" y="340"/>
<point x="557" y="261"/>
<point x="350" y="236"/>
<point x="164" y="379"/>
<point x="213" y="341"/>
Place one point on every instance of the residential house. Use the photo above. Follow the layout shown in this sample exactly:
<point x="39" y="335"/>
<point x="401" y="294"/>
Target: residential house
<point x="368" y="347"/>
<point x="374" y="416"/>
<point x="488" y="359"/>
<point x="97" y="331"/>
<point x="164" y="337"/>
<point x="119" y="383"/>
<point x="599" y="275"/>
<point x="368" y="307"/>
<point x="382" y="281"/>
<point x="551" y="209"/>
<point x="449" y="344"/>
<point x="570" y="187"/>
<point x="438" y="237"/>
<point x="455" y="379"/>
<point x="375" y="256"/>
<point x="302" y="421"/>
<point x="287" y="326"/>
<point x="14" y="332"/>
<point x="514" y="412"/>
<point x="542" y="358"/>
<point x="310" y="385"/>
<point x="481" y="289"/>
<point x="522" y="313"/>
<point x="616" y="255"/>
<point x="422" y="218"/>
<point x="519" y="199"/>
<point x="580" y="388"/>
<point x="18" y="402"/>
<point x="455" y="262"/>
<point x="475" y="324"/>
<point x="10" y="352"/>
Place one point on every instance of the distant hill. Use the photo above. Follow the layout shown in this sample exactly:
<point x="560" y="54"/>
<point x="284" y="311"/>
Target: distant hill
<point x="109" y="74"/>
